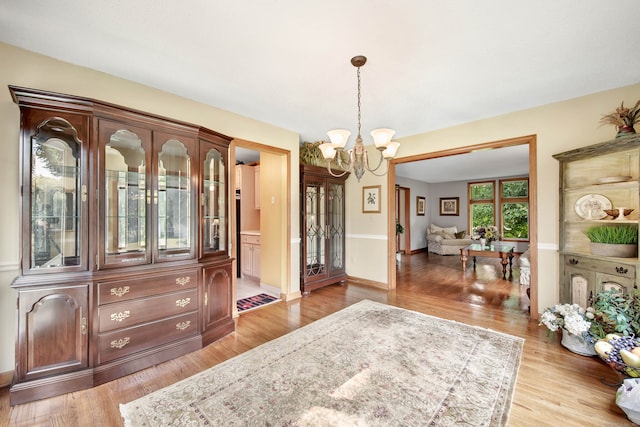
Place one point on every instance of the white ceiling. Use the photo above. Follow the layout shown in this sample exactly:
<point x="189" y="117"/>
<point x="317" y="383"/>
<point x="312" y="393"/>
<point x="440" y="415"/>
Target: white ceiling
<point x="499" y="162"/>
<point x="431" y="64"/>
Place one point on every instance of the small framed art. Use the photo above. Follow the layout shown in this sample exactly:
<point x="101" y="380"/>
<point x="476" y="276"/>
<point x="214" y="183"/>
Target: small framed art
<point x="450" y="206"/>
<point x="420" y="205"/>
<point x="371" y="199"/>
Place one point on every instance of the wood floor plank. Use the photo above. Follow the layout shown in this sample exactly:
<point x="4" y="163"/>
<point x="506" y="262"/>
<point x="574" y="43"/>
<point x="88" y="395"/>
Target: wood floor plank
<point x="554" y="386"/>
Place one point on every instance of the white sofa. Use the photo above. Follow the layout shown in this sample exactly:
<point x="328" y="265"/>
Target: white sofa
<point x="446" y="240"/>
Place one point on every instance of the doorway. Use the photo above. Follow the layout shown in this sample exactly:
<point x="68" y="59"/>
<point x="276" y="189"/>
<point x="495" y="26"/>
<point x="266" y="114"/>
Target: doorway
<point x="259" y="244"/>
<point x="403" y="217"/>
<point x="530" y="141"/>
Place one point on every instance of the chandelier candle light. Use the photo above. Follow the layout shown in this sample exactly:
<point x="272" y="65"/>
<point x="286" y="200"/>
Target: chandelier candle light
<point x="357" y="156"/>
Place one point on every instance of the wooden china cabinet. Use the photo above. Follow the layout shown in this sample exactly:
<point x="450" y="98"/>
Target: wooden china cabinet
<point x="594" y="178"/>
<point x="124" y="259"/>
<point x="322" y="228"/>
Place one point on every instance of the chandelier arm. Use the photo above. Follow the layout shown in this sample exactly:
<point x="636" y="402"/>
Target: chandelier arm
<point x="366" y="162"/>
<point x="380" y="174"/>
<point x="333" y="174"/>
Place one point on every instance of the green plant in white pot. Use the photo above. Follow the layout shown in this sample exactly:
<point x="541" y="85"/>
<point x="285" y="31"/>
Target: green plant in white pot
<point x="613" y="240"/>
<point x="399" y="230"/>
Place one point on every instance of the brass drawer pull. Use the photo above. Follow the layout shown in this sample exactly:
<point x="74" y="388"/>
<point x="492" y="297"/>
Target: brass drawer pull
<point x="83" y="326"/>
<point x="573" y="261"/>
<point x="120" y="343"/>
<point x="119" y="317"/>
<point x="183" y="280"/>
<point x="183" y="302"/>
<point x="120" y="291"/>
<point x="184" y="325"/>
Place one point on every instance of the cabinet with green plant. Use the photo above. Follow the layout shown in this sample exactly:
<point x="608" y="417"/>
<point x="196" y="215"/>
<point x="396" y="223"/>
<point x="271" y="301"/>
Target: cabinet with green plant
<point x="599" y="205"/>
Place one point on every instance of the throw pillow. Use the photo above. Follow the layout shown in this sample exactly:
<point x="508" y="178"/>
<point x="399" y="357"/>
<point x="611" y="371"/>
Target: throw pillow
<point x="451" y="230"/>
<point x="461" y="234"/>
<point x="434" y="229"/>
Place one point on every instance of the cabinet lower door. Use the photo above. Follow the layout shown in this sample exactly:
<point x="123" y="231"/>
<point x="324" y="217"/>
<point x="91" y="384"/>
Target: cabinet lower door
<point x="581" y="286"/>
<point x="52" y="331"/>
<point x="217" y="303"/>
<point x="611" y="282"/>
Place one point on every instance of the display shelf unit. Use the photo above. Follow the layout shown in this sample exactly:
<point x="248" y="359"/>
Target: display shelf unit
<point x="591" y="176"/>
<point x="322" y="228"/>
<point x="124" y="250"/>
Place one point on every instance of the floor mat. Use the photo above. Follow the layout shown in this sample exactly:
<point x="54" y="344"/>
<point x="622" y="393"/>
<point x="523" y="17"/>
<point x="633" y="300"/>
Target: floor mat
<point x="255" y="301"/>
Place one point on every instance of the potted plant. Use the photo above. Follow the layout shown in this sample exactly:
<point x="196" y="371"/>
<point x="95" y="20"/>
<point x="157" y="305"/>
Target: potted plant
<point x="575" y="324"/>
<point x="399" y="230"/>
<point x="624" y="118"/>
<point x="615" y="313"/>
<point x="613" y="240"/>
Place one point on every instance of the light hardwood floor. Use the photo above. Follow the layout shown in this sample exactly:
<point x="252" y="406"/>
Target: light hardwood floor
<point x="555" y="387"/>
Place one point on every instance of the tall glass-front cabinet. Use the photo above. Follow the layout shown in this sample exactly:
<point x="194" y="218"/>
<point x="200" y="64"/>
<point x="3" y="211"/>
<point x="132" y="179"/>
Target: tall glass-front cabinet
<point x="124" y="258"/>
<point x="322" y="228"/>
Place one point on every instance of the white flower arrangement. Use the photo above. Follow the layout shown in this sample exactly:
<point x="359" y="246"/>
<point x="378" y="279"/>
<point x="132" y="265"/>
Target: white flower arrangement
<point x="570" y="317"/>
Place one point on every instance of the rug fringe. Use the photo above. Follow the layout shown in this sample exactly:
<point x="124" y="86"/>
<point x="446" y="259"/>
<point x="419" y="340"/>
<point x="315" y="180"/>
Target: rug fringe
<point x="125" y="414"/>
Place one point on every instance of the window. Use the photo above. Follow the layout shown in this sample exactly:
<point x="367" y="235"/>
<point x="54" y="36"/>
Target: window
<point x="514" y="208"/>
<point x="481" y="204"/>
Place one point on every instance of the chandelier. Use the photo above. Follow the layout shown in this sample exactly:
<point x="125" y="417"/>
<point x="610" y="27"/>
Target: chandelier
<point x="356" y="159"/>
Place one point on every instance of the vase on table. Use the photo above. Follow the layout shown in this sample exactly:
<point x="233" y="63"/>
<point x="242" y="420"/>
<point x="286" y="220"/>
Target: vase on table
<point x="577" y="344"/>
<point x="483" y="242"/>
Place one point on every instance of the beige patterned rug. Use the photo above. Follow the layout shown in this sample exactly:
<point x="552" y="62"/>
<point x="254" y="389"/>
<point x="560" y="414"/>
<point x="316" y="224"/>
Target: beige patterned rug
<point x="370" y="364"/>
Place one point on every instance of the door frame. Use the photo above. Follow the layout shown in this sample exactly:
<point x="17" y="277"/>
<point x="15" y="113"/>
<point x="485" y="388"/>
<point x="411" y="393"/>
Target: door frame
<point x="531" y="140"/>
<point x="281" y="245"/>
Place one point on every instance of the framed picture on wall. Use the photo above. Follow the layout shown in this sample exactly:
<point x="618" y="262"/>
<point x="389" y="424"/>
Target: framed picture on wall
<point x="450" y="206"/>
<point x="420" y="205"/>
<point x="371" y="199"/>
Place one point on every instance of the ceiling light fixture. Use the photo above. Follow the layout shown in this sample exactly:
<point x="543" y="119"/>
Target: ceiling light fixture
<point x="356" y="158"/>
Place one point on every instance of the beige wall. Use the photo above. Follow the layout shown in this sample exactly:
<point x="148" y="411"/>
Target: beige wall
<point x="273" y="226"/>
<point x="23" y="68"/>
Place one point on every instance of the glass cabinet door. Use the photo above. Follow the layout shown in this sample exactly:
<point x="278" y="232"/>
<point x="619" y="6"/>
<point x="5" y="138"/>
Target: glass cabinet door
<point x="173" y="199"/>
<point x="125" y="194"/>
<point x="335" y="205"/>
<point x="214" y="196"/>
<point x="56" y="198"/>
<point x="315" y="220"/>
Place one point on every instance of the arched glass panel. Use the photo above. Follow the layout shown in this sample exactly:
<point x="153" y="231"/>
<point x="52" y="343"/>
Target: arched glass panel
<point x="125" y="185"/>
<point x="214" y="216"/>
<point x="55" y="195"/>
<point x="173" y="197"/>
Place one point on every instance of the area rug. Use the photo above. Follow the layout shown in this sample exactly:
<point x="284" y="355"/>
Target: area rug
<point x="255" y="301"/>
<point x="369" y="364"/>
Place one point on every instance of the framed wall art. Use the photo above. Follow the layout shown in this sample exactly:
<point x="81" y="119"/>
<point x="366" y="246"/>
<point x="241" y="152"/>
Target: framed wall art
<point x="371" y="199"/>
<point x="450" y="206"/>
<point x="420" y="205"/>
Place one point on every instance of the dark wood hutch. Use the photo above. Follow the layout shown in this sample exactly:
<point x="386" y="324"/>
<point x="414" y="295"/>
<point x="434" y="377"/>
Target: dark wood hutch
<point x="124" y="250"/>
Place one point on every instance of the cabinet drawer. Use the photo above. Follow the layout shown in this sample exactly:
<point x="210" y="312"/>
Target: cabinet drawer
<point x="598" y="265"/>
<point x="123" y="342"/>
<point x="248" y="238"/>
<point x="142" y="310"/>
<point x="123" y="290"/>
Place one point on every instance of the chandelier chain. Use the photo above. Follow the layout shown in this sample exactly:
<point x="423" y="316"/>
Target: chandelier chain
<point x="359" y="115"/>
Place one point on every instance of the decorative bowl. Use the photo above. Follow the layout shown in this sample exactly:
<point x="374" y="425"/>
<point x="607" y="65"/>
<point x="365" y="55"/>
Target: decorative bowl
<point x="624" y="369"/>
<point x="614" y="213"/>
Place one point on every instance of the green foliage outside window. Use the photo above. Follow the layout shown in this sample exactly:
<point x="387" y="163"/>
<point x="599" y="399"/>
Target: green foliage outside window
<point x="482" y="215"/>
<point x="482" y="191"/>
<point x="515" y="218"/>
<point x="515" y="189"/>
<point x="515" y="214"/>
